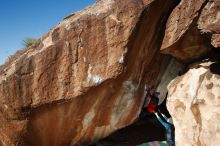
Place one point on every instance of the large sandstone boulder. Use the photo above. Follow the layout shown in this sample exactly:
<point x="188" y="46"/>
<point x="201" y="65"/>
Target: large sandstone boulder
<point x="191" y="27"/>
<point x="194" y="102"/>
<point x="85" y="78"/>
<point x="209" y="21"/>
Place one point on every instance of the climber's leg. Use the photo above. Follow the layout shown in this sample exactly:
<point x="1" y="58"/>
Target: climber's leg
<point x="170" y="135"/>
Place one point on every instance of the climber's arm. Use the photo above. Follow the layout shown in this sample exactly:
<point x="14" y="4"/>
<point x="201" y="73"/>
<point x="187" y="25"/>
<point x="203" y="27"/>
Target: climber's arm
<point x="165" y="117"/>
<point x="169" y="120"/>
<point x="162" y="121"/>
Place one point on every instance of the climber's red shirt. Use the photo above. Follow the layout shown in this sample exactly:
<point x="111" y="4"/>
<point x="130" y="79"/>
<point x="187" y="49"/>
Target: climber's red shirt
<point x="151" y="107"/>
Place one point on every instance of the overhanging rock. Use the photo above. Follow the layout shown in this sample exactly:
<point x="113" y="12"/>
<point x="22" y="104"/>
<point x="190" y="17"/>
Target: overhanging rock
<point x="192" y="29"/>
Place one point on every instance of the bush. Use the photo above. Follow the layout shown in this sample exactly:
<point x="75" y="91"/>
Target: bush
<point x="29" y="42"/>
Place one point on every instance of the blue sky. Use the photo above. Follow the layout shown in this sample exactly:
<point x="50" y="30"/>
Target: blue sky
<point x="20" y="19"/>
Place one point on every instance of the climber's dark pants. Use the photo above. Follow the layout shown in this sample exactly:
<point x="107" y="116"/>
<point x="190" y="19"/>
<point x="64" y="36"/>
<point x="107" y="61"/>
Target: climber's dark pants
<point x="170" y="135"/>
<point x="144" y="113"/>
<point x="170" y="130"/>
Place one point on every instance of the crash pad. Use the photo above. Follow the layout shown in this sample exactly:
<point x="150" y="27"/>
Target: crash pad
<point x="154" y="143"/>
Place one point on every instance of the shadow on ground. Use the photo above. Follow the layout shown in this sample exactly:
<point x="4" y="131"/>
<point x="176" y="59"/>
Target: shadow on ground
<point x="144" y="130"/>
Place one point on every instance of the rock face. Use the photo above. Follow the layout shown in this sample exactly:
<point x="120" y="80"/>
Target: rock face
<point x="85" y="78"/>
<point x="190" y="28"/>
<point x="194" y="102"/>
<point x="167" y="75"/>
<point x="209" y="21"/>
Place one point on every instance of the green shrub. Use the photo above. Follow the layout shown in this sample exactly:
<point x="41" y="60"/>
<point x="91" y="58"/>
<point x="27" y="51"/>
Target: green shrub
<point x="29" y="42"/>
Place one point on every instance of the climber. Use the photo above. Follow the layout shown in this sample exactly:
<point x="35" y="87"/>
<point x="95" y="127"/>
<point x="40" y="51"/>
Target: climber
<point x="164" y="120"/>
